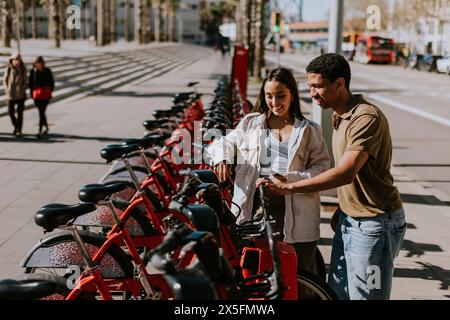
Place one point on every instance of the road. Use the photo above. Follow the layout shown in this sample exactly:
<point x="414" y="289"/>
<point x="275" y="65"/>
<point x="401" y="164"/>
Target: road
<point x="417" y="104"/>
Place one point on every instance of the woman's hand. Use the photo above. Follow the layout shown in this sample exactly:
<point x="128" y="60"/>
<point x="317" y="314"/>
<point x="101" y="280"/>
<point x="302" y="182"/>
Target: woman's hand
<point x="223" y="172"/>
<point x="275" y="186"/>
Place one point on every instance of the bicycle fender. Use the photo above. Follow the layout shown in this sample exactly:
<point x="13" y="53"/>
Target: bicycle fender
<point x="60" y="250"/>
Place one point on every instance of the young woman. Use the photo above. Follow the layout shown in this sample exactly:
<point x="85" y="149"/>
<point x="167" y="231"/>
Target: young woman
<point x="15" y="82"/>
<point x="276" y="140"/>
<point x="41" y="88"/>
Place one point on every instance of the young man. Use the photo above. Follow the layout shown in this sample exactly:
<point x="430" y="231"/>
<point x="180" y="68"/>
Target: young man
<point x="370" y="222"/>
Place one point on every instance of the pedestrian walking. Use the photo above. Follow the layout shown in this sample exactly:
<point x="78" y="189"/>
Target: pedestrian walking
<point x="41" y="88"/>
<point x="15" y="83"/>
<point x="370" y="223"/>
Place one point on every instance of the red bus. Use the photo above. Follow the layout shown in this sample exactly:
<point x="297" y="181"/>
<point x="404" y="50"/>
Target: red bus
<point x="375" y="49"/>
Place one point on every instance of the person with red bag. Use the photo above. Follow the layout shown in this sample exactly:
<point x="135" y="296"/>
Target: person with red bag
<point x="41" y="87"/>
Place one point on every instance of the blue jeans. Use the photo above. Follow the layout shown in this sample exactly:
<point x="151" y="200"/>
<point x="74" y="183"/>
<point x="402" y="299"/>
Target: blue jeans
<point x="363" y="253"/>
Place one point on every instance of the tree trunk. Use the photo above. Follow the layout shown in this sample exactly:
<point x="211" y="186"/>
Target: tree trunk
<point x="6" y="24"/>
<point x="149" y="20"/>
<point x="23" y="20"/>
<point x="107" y="21"/>
<point x="259" y="40"/>
<point x="85" y="20"/>
<point x="157" y="6"/>
<point x="100" y="22"/>
<point x="113" y="29"/>
<point x="126" y="25"/>
<point x="237" y="18"/>
<point x="33" y="20"/>
<point x="252" y="33"/>
<point x="62" y="25"/>
<point x="170" y="22"/>
<point x="144" y="17"/>
<point x="138" y="12"/>
<point x="246" y="18"/>
<point x="56" y="22"/>
<point x="161" y="20"/>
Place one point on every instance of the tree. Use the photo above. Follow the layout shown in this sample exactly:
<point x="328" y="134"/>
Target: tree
<point x="85" y="32"/>
<point x="53" y="9"/>
<point x="172" y="6"/>
<point x="101" y="40"/>
<point x="212" y="17"/>
<point x="6" y="23"/>
<point x="258" y="59"/>
<point x="113" y="23"/>
<point x="126" y="24"/>
<point x="145" y="22"/>
<point x="33" y="20"/>
<point x="239" y="19"/>
<point x="157" y="5"/>
<point x="410" y="16"/>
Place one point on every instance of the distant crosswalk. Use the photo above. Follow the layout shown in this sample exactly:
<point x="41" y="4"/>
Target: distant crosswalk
<point x="106" y="71"/>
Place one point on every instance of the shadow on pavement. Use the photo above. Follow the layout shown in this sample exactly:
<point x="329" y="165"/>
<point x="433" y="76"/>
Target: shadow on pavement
<point x="54" y="161"/>
<point x="27" y="138"/>
<point x="428" y="272"/>
<point x="419" y="249"/>
<point x="139" y="95"/>
<point x="77" y="137"/>
<point x="422" y="199"/>
<point x="55" y="138"/>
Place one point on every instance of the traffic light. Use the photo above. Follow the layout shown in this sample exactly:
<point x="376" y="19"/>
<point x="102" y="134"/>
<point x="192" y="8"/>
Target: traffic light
<point x="277" y="21"/>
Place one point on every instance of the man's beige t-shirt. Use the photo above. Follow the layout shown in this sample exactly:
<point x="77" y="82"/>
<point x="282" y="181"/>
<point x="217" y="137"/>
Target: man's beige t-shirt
<point x="365" y="128"/>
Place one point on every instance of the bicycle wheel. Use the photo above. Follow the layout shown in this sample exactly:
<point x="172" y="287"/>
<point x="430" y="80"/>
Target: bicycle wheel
<point x="319" y="288"/>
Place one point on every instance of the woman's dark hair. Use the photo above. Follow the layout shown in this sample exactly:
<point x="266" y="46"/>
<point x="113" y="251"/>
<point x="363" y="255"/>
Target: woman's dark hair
<point x="285" y="77"/>
<point x="38" y="60"/>
<point x="332" y="67"/>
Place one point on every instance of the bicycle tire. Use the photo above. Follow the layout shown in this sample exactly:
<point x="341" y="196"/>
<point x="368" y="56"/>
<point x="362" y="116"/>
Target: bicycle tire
<point x="318" y="286"/>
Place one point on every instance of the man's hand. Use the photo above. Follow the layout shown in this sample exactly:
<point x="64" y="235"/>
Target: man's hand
<point x="275" y="186"/>
<point x="223" y="171"/>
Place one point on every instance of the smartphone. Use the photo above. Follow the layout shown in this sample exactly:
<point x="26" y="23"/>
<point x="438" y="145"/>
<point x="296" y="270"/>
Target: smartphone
<point x="278" y="176"/>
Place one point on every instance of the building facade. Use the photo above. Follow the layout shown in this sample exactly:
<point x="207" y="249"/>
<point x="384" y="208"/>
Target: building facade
<point x="187" y="21"/>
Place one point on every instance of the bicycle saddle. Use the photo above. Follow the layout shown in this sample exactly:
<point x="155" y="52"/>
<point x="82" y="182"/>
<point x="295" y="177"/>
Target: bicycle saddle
<point x="98" y="192"/>
<point x="177" y="108"/>
<point x="54" y="215"/>
<point x="155" y="124"/>
<point x="23" y="290"/>
<point x="192" y="84"/>
<point x="114" y="151"/>
<point x="147" y="141"/>
<point x="183" y="95"/>
<point x="159" y="114"/>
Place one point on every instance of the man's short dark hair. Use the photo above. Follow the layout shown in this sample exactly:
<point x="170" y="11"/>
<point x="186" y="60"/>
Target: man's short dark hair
<point x="332" y="67"/>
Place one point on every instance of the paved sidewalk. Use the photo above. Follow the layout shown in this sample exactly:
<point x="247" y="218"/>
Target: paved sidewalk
<point x="34" y="173"/>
